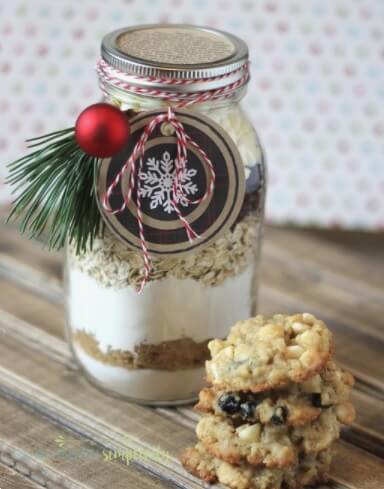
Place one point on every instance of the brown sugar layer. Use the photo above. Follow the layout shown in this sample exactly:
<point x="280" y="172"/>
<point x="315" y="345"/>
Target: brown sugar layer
<point x="183" y="353"/>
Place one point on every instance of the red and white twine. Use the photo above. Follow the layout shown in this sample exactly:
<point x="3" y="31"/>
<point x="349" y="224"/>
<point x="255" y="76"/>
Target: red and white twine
<point x="109" y="75"/>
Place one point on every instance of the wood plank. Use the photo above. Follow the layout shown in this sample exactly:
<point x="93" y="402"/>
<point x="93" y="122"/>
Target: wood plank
<point x="360" y="245"/>
<point x="11" y="479"/>
<point x="31" y="307"/>
<point x="33" y="279"/>
<point x="46" y="453"/>
<point x="103" y="415"/>
<point x="370" y="412"/>
<point x="368" y="429"/>
<point x="355" y="468"/>
<point x="310" y="286"/>
<point x="36" y="339"/>
<point x="338" y="259"/>
<point x="31" y="253"/>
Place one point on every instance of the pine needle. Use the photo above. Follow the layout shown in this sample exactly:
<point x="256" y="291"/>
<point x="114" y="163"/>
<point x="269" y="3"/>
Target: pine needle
<point x="56" y="195"/>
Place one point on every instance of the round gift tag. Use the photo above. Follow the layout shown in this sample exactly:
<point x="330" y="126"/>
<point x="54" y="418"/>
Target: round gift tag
<point x="164" y="231"/>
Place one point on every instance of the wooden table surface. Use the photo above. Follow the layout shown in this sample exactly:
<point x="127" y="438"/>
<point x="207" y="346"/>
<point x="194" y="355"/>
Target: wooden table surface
<point x="57" y="431"/>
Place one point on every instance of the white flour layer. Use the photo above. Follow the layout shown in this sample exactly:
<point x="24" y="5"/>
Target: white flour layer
<point x="168" y="309"/>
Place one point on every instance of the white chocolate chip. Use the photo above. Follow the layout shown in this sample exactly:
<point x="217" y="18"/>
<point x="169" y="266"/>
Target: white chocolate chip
<point x="227" y="352"/>
<point x="250" y="433"/>
<point x="299" y="327"/>
<point x="309" y="339"/>
<point x="294" y="351"/>
<point x="270" y="331"/>
<point x="243" y="371"/>
<point x="309" y="359"/>
<point x="308" y="318"/>
<point x="242" y="353"/>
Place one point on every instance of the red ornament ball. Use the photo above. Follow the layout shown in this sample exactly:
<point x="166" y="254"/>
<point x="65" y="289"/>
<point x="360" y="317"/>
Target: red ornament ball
<point x="102" y="130"/>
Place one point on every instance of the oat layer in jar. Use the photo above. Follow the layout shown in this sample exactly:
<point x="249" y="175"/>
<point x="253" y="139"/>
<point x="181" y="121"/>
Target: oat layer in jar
<point x="189" y="238"/>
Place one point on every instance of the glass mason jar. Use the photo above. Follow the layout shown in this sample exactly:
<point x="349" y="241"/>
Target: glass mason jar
<point x="151" y="348"/>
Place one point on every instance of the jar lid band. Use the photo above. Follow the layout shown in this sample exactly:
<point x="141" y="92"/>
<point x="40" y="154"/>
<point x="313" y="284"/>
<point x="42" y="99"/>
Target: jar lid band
<point x="182" y="58"/>
<point x="172" y="90"/>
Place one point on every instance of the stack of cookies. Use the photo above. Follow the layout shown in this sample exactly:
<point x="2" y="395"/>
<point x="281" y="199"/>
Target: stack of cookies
<point x="274" y="408"/>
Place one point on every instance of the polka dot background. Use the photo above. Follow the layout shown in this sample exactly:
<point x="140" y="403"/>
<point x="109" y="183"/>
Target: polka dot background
<point x="316" y="94"/>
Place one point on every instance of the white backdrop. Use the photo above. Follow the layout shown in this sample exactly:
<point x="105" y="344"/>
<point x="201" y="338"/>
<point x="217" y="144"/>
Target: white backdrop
<point x="316" y="94"/>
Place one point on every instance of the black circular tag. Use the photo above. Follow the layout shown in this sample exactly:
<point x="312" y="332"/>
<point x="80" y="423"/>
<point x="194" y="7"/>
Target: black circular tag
<point x="164" y="232"/>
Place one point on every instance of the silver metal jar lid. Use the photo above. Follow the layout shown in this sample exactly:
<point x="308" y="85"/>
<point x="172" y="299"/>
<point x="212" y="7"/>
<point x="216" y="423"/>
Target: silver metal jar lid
<point x="175" y="51"/>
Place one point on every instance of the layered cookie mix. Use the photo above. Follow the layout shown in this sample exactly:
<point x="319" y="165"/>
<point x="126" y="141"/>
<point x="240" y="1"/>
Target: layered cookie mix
<point x="152" y="347"/>
<point x="275" y="406"/>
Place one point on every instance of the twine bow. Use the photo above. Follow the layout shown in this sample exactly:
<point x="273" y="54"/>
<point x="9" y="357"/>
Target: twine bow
<point x="178" y="194"/>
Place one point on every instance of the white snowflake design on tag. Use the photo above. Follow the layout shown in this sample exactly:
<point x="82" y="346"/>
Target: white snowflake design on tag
<point x="158" y="183"/>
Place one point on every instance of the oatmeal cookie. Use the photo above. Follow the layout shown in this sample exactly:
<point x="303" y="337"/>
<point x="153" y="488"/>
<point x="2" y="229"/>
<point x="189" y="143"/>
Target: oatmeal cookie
<point x="310" y="470"/>
<point x="294" y="405"/>
<point x="261" y="354"/>
<point x="252" y="407"/>
<point x="270" y="445"/>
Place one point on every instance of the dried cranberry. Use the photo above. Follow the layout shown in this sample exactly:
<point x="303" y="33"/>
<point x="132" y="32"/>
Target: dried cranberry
<point x="316" y="399"/>
<point x="280" y="415"/>
<point x="229" y="403"/>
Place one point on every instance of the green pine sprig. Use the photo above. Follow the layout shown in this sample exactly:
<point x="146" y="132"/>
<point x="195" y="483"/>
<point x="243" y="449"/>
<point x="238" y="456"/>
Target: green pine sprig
<point x="56" y="195"/>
